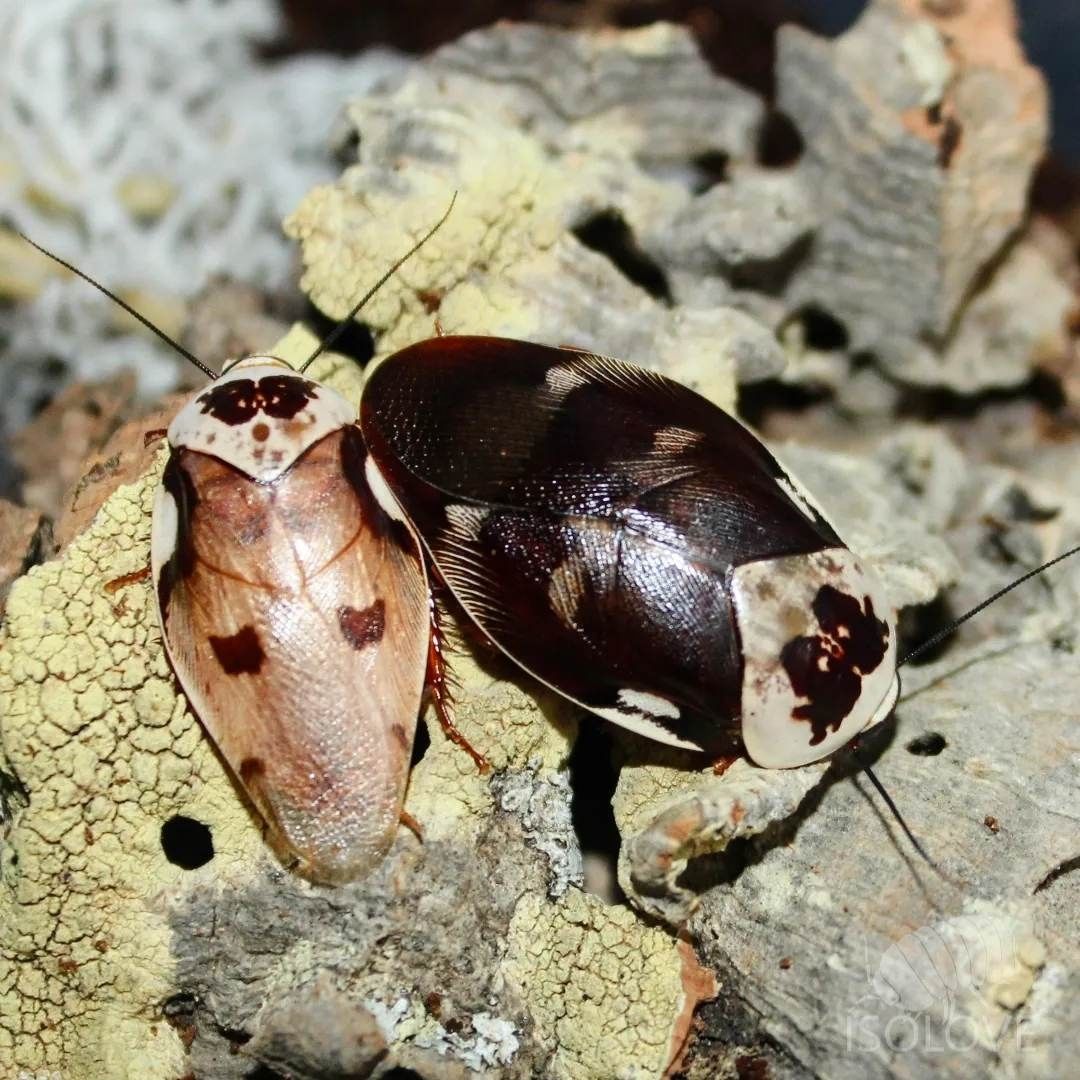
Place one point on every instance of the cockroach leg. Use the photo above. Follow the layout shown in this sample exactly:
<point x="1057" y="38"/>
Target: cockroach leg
<point x="721" y="764"/>
<point x="412" y="825"/>
<point x="127" y="579"/>
<point x="438" y="683"/>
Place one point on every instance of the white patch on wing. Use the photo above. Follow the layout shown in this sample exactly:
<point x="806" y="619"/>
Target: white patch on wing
<point x="674" y="440"/>
<point x="466" y="521"/>
<point x="641" y="724"/>
<point x="640" y="701"/>
<point x="800" y="497"/>
<point x="562" y="378"/>
<point x="565" y="589"/>
<point x="381" y="490"/>
<point x="164" y="531"/>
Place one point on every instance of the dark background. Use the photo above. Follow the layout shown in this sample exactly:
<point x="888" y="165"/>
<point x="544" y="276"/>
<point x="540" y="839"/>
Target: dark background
<point x="736" y="35"/>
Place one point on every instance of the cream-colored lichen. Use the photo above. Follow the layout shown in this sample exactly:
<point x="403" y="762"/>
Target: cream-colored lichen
<point x="93" y="727"/>
<point x="350" y="236"/>
<point x="605" y="991"/>
<point x="506" y="261"/>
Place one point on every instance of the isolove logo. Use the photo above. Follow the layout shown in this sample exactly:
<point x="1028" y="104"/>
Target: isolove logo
<point x="947" y="988"/>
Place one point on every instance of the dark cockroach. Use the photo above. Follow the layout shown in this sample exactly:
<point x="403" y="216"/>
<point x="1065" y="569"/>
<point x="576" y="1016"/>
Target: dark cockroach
<point x="634" y="547"/>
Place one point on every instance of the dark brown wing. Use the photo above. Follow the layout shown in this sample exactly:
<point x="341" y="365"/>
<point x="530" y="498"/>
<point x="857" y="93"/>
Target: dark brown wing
<point x="295" y="616"/>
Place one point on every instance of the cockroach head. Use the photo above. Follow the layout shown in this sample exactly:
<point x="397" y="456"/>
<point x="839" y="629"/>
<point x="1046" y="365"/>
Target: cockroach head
<point x="819" y="655"/>
<point x="255" y="360"/>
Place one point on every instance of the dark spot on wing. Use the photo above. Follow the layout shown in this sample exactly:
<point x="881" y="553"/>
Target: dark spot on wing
<point x="363" y="626"/>
<point x="181" y="563"/>
<point x="237" y="401"/>
<point x="828" y="668"/>
<point x="240" y="654"/>
<point x="401" y="736"/>
<point x="252" y="769"/>
<point x="260" y="432"/>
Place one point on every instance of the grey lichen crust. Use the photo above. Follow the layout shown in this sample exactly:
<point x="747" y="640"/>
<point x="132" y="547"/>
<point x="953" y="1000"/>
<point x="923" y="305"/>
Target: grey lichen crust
<point x="823" y="945"/>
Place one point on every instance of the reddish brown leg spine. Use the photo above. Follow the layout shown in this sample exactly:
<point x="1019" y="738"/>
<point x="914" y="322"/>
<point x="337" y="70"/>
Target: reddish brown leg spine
<point x="412" y="824"/>
<point x="127" y="579"/>
<point x="721" y="764"/>
<point x="438" y="682"/>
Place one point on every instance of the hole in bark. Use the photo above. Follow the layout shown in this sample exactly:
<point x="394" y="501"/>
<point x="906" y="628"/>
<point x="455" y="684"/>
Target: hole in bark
<point x="758" y="401"/>
<point x="704" y="872"/>
<point x="929" y="744"/>
<point x="399" y="1072"/>
<point x="13" y="795"/>
<point x="264" y="1072"/>
<point x="1021" y="507"/>
<point x="712" y="168"/>
<point x="771" y="276"/>
<point x="920" y="623"/>
<point x="821" y="331"/>
<point x="420" y="745"/>
<point x="593" y="777"/>
<point x="348" y="150"/>
<point x="355" y="342"/>
<point x="608" y="234"/>
<point x="748" y="1067"/>
<point x="937" y="403"/>
<point x="779" y="143"/>
<point x="187" y="843"/>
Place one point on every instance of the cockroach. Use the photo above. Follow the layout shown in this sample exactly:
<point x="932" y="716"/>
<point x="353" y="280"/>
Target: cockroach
<point x="632" y="546"/>
<point x="637" y="549"/>
<point x="293" y="604"/>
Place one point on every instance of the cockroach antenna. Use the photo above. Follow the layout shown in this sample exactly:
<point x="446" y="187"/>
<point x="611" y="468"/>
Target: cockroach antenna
<point x="344" y="324"/>
<point x="982" y="605"/>
<point x="925" y="646"/>
<point x="894" y="810"/>
<point x="125" y="305"/>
